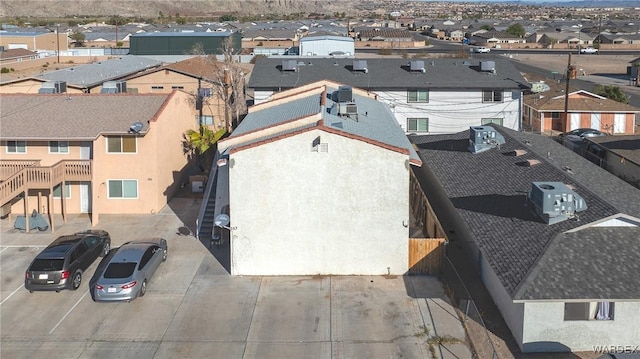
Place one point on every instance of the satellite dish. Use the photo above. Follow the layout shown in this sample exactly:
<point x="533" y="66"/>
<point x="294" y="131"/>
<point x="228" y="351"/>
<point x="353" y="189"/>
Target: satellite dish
<point x="136" y="127"/>
<point x="222" y="220"/>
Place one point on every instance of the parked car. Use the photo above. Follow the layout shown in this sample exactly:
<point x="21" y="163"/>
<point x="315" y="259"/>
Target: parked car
<point x="580" y="134"/>
<point x="124" y="273"/>
<point x="481" y="50"/>
<point x="62" y="264"/>
<point x="588" y="50"/>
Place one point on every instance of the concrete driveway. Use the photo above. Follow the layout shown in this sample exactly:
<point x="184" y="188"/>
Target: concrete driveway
<point x="194" y="308"/>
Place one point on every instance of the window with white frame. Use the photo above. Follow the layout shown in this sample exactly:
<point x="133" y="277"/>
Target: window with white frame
<point x="57" y="191"/>
<point x="418" y="95"/>
<point x="121" y="144"/>
<point x="58" y="147"/>
<point x="588" y="311"/>
<point x="489" y="121"/>
<point x="492" y="96"/>
<point x="16" y="147"/>
<point x="122" y="188"/>
<point x="206" y="120"/>
<point x="417" y="125"/>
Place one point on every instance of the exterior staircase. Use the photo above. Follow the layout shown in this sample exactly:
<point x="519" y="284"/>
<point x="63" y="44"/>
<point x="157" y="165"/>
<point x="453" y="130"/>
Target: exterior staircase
<point x="209" y="204"/>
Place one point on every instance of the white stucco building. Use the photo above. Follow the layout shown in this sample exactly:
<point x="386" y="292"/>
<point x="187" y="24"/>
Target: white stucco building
<point x="430" y="96"/>
<point x="316" y="181"/>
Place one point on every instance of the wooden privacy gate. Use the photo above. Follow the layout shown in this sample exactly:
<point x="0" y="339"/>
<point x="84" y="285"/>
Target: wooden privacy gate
<point x="426" y="255"/>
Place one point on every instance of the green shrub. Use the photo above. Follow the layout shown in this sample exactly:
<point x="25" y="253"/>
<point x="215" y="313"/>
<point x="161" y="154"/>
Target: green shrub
<point x="385" y="52"/>
<point x="4" y="70"/>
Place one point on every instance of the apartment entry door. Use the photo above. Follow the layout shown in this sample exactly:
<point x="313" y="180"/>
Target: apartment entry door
<point x="85" y="197"/>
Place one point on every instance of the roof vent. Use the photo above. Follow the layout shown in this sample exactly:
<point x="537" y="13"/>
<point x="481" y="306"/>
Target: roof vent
<point x="53" y="87"/>
<point x="488" y="66"/>
<point x="289" y="65"/>
<point x="360" y="65"/>
<point x="483" y="138"/>
<point x="555" y="202"/>
<point x="114" y="87"/>
<point x="417" y="66"/>
<point x="344" y="94"/>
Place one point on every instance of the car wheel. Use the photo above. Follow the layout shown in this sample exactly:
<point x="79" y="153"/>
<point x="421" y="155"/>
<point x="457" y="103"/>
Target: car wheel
<point x="164" y="255"/>
<point x="30" y="291"/>
<point x="143" y="288"/>
<point x="77" y="280"/>
<point x="106" y="249"/>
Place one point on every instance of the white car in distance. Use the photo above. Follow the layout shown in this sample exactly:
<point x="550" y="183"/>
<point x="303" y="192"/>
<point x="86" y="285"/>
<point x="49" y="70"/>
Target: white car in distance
<point x="481" y="50"/>
<point x="588" y="50"/>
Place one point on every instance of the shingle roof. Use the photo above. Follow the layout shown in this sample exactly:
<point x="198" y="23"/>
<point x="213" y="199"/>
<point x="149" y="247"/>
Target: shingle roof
<point x="594" y="263"/>
<point x="627" y="147"/>
<point x="582" y="101"/>
<point x="91" y="75"/>
<point x="15" y="53"/>
<point x="74" y="116"/>
<point x="387" y="74"/>
<point x="489" y="189"/>
<point x="375" y="121"/>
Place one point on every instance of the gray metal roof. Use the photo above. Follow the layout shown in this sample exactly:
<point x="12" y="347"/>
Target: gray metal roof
<point x="91" y="75"/>
<point x="326" y="37"/>
<point x="387" y="74"/>
<point x="74" y="116"/>
<point x="488" y="192"/>
<point x="374" y="122"/>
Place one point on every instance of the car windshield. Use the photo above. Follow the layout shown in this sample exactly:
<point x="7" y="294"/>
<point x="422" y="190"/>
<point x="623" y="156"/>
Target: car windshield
<point x="42" y="265"/>
<point x="120" y="270"/>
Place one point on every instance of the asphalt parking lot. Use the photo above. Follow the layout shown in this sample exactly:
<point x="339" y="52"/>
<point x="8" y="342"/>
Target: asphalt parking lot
<point x="194" y="308"/>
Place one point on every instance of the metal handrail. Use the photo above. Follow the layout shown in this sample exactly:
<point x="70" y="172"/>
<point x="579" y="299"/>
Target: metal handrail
<point x="207" y="193"/>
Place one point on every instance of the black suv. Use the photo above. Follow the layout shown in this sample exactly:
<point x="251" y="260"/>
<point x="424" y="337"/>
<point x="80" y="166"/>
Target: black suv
<point x="61" y="264"/>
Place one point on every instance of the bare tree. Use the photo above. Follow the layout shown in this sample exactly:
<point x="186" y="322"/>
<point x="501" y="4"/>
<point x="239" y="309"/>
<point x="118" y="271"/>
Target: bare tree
<point x="228" y="82"/>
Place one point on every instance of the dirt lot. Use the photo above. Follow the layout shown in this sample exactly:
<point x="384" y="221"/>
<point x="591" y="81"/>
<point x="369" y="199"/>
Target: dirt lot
<point x="591" y="64"/>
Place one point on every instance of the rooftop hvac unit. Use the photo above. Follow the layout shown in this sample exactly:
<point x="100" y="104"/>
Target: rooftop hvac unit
<point x="417" y="65"/>
<point x="360" y="65"/>
<point x="114" y="87"/>
<point x="289" y="65"/>
<point x="347" y="109"/>
<point x="53" y="87"/>
<point x="555" y="202"/>
<point x="483" y="138"/>
<point x="488" y="66"/>
<point x="344" y="94"/>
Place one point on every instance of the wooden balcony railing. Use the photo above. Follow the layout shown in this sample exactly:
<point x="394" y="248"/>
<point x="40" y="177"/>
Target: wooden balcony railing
<point x="10" y="167"/>
<point x="45" y="177"/>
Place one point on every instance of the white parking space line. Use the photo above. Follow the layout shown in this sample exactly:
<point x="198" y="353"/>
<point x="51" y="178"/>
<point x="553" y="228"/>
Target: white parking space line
<point x="3" y="249"/>
<point x="23" y="246"/>
<point x="12" y="293"/>
<point x="69" y="312"/>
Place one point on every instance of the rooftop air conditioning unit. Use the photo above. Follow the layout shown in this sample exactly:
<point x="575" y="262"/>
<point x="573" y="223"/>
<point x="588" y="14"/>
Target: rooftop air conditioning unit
<point x="483" y="138"/>
<point x="555" y="202"/>
<point x="53" y="87"/>
<point x="289" y="65"/>
<point x="360" y="65"/>
<point x="348" y="109"/>
<point x="114" y="87"/>
<point x="417" y="66"/>
<point x="344" y="94"/>
<point x="488" y="66"/>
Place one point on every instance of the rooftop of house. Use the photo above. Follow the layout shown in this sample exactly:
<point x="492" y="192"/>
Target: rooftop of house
<point x="184" y="34"/>
<point x="534" y="260"/>
<point x="313" y="37"/>
<point x="374" y="123"/>
<point x="579" y="100"/>
<point x="91" y="75"/>
<point x="16" y="53"/>
<point x="387" y="74"/>
<point x="75" y="116"/>
<point x="627" y="147"/>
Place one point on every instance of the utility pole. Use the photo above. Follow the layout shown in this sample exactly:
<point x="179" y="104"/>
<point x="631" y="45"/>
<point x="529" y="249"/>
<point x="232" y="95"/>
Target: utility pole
<point x="599" y="34"/>
<point x="566" y="93"/>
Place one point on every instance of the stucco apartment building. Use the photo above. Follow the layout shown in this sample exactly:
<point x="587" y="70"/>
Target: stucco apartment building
<point x="108" y="153"/>
<point x="316" y="181"/>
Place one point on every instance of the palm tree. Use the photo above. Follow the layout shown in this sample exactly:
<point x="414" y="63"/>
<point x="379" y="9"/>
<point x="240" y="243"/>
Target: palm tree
<point x="200" y="143"/>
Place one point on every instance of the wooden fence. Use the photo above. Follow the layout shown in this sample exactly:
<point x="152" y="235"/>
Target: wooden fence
<point x="426" y="255"/>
